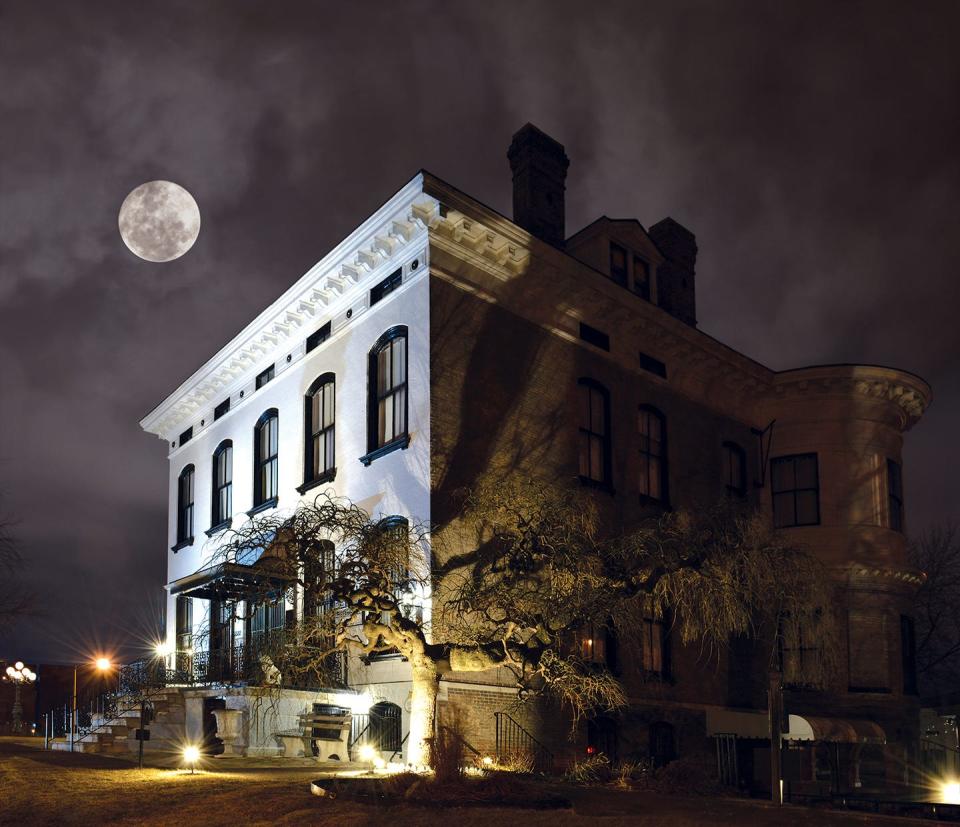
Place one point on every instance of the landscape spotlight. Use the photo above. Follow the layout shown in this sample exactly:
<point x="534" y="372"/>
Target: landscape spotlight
<point x="190" y="756"/>
<point x="367" y="753"/>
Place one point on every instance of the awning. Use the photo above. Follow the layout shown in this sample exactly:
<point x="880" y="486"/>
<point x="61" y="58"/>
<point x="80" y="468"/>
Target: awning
<point x="840" y="730"/>
<point x="229" y="581"/>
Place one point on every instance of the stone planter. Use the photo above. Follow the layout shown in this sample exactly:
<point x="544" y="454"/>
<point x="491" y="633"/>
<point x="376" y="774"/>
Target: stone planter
<point x="230" y="730"/>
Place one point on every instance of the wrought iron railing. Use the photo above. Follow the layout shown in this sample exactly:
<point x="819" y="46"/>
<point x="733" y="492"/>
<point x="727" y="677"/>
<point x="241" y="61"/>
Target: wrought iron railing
<point x="513" y="739"/>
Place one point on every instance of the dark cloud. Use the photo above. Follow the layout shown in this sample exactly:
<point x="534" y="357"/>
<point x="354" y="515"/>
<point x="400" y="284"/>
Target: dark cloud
<point x="811" y="147"/>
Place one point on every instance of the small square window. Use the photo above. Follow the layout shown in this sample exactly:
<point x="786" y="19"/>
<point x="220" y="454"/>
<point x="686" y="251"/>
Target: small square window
<point x="595" y="337"/>
<point x="186" y="436"/>
<point x="388" y="285"/>
<point x="221" y="409"/>
<point x="654" y="366"/>
<point x="318" y="337"/>
<point x="265" y="377"/>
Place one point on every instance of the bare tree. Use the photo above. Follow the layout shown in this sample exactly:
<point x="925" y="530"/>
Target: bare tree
<point x="937" y="608"/>
<point x="14" y="599"/>
<point x="521" y="571"/>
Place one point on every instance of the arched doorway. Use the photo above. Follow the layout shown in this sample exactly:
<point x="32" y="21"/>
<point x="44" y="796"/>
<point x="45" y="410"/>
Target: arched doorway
<point x="384" y="730"/>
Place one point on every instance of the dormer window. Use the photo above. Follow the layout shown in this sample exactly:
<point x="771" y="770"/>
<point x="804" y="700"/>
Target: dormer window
<point x="618" y="264"/>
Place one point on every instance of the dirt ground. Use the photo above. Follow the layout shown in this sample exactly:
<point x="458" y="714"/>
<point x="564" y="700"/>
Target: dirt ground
<point x="47" y="788"/>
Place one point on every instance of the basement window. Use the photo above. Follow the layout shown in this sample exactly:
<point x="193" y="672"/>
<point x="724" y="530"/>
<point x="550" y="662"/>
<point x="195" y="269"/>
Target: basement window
<point x="595" y="337"/>
<point x="388" y="285"/>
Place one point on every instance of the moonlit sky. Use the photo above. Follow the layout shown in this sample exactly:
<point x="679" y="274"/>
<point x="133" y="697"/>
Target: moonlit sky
<point x="812" y="148"/>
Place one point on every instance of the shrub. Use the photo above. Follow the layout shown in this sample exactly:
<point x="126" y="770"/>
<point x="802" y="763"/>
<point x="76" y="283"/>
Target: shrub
<point x="446" y="753"/>
<point x="592" y="770"/>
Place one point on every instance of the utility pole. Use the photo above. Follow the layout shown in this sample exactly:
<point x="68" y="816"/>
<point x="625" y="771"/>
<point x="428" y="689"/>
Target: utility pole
<point x="775" y="711"/>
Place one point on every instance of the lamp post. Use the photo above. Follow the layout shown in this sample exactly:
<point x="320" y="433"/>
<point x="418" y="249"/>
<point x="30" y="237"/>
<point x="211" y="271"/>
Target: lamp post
<point x="19" y="674"/>
<point x="102" y="665"/>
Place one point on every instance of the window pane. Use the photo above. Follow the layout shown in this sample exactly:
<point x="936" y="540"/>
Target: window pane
<point x="399" y="361"/>
<point x="328" y="452"/>
<point x="782" y="475"/>
<point x="655" y="478"/>
<point x="228" y="464"/>
<point x="400" y="411"/>
<point x="597" y="412"/>
<point x="315" y="407"/>
<point x="274" y="435"/>
<point x="584" y="454"/>
<point x="596" y="459"/>
<point x="585" y="407"/>
<point x="383" y="371"/>
<point x="807" y="507"/>
<point x="328" y="406"/>
<point x="783" y="510"/>
<point x="643" y="426"/>
<point x="806" y="470"/>
<point x="385" y="432"/>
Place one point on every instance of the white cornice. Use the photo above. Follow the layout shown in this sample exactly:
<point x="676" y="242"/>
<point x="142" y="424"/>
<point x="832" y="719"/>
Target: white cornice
<point x="332" y="282"/>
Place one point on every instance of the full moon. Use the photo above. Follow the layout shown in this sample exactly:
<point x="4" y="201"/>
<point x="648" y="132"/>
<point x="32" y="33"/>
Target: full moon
<point x="159" y="221"/>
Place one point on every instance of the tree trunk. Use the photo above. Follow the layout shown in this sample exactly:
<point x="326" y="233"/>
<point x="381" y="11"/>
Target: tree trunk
<point x="423" y="711"/>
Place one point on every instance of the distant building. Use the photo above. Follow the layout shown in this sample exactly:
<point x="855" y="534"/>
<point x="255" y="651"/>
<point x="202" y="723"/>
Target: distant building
<point x="514" y="347"/>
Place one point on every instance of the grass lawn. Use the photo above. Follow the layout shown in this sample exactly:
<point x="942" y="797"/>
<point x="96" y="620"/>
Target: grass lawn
<point x="38" y="787"/>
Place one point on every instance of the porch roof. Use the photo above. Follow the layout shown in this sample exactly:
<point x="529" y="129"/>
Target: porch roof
<point x="228" y="581"/>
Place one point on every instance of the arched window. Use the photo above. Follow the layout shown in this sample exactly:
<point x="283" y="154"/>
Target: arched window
<point x="185" y="507"/>
<point x="594" y="432"/>
<point x="222" y="503"/>
<point x="387" y="403"/>
<point x="265" y="453"/>
<point x="318" y="427"/>
<point x="652" y="430"/>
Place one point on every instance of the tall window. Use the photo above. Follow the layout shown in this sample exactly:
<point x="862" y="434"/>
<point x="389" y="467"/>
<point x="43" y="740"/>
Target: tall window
<point x="655" y="655"/>
<point x="795" y="483"/>
<point x="319" y="430"/>
<point x="267" y="621"/>
<point x="318" y="573"/>
<point x="895" y="495"/>
<point x="734" y="469"/>
<point x="618" y="264"/>
<point x="265" y="438"/>
<point x="394" y="532"/>
<point x="222" y="509"/>
<point x="388" y="390"/>
<point x="185" y="506"/>
<point x="801" y="650"/>
<point x="652" y="430"/>
<point x="184" y="624"/>
<point x="594" y="432"/>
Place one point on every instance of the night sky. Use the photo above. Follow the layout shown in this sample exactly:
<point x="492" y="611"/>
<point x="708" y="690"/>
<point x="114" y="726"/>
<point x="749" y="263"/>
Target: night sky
<point x="812" y="148"/>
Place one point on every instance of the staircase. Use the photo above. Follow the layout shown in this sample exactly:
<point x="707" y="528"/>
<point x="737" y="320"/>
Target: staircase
<point x="115" y="733"/>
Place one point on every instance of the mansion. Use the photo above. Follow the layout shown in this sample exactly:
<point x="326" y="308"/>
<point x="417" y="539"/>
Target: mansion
<point x="441" y="342"/>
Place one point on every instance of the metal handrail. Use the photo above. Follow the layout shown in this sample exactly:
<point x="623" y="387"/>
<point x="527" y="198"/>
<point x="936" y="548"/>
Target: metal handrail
<point x="512" y="736"/>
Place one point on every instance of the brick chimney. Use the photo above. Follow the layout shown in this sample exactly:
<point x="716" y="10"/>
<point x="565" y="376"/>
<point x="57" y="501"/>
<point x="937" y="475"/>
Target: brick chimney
<point x="539" y="167"/>
<point x="676" y="277"/>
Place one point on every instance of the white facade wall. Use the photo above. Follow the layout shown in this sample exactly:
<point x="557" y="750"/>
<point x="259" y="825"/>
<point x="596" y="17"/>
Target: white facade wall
<point x="397" y="483"/>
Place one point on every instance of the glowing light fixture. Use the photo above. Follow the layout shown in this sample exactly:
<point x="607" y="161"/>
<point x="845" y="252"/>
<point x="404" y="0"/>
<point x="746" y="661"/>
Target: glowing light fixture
<point x="103" y="664"/>
<point x="487" y="761"/>
<point x="367" y="753"/>
<point x="162" y="649"/>
<point x="950" y="792"/>
<point x="357" y="704"/>
<point x="191" y="755"/>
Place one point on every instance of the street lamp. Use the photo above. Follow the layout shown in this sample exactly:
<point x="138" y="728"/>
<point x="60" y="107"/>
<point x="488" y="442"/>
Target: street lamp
<point x="19" y="674"/>
<point x="103" y="665"/>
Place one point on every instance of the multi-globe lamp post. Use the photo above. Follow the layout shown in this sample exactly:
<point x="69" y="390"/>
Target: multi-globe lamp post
<point x="19" y="675"/>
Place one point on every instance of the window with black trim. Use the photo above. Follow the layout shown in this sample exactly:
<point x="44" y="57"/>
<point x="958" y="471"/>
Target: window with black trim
<point x="594" y="432"/>
<point x="394" y="531"/>
<point x="319" y="430"/>
<point x="618" y="264"/>
<point x="654" y="366"/>
<point x="795" y="483"/>
<point x="221" y="409"/>
<point x="595" y="337"/>
<point x="319" y="572"/>
<point x="894" y="495"/>
<point x="185" y="507"/>
<point x="184" y="627"/>
<point x="387" y="404"/>
<point x="265" y="376"/>
<point x="652" y="451"/>
<point x="222" y="506"/>
<point x="734" y="469"/>
<point x="266" y="460"/>
<point x="318" y="337"/>
<point x="800" y="643"/>
<point x="641" y="278"/>
<point x="186" y="436"/>
<point x="388" y="285"/>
